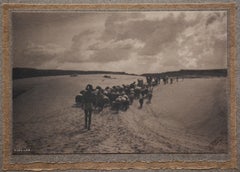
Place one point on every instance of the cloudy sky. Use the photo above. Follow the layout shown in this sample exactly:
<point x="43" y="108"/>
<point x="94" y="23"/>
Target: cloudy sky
<point x="134" y="42"/>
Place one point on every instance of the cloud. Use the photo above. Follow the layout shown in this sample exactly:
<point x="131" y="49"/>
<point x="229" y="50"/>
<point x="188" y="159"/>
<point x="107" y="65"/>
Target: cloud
<point x="81" y="38"/>
<point x="115" y="24"/>
<point x="209" y="44"/>
<point x="172" y="42"/>
<point x="156" y="33"/>
<point x="105" y="52"/>
<point x="131" y="41"/>
<point x="78" y="50"/>
<point x="87" y="46"/>
<point x="37" y="55"/>
<point x="124" y="34"/>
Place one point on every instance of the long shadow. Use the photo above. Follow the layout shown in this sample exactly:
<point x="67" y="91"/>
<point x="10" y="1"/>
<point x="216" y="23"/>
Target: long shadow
<point x="76" y="106"/>
<point x="81" y="130"/>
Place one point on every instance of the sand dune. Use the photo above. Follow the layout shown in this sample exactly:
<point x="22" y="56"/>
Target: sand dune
<point x="186" y="117"/>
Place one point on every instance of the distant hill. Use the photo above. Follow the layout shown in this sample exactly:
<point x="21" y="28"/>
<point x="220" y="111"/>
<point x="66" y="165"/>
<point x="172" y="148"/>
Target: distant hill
<point x="192" y="73"/>
<point x="19" y="73"/>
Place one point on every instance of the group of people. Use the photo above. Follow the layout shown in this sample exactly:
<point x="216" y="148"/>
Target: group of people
<point x="155" y="80"/>
<point x="116" y="97"/>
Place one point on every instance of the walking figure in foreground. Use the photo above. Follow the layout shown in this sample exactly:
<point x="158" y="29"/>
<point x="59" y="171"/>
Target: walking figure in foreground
<point x="88" y="99"/>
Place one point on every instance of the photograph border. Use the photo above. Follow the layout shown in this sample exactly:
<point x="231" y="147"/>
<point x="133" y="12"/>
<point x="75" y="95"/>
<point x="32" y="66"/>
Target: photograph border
<point x="7" y="80"/>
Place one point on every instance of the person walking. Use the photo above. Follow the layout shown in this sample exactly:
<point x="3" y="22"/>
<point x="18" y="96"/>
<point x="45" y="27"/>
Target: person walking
<point x="141" y="100"/>
<point x="149" y="95"/>
<point x="88" y="99"/>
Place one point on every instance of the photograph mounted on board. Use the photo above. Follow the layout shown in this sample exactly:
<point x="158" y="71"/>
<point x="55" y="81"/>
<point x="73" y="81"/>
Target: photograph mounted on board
<point x="125" y="82"/>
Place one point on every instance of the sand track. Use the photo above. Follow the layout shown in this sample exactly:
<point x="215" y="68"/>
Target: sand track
<point x="186" y="117"/>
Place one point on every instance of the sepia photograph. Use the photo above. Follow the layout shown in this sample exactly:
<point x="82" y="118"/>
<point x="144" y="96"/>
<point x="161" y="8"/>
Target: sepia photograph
<point x="120" y="82"/>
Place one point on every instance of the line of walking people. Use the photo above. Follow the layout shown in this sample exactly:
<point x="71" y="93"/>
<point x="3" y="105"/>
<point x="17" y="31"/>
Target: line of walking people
<point x="116" y="97"/>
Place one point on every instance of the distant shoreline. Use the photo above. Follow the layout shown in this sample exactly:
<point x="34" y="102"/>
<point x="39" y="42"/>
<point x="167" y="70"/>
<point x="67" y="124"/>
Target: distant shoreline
<point x="20" y="73"/>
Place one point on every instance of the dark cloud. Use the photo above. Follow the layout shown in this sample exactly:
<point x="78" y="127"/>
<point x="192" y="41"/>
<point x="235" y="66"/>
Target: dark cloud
<point x="34" y="57"/>
<point x="43" y="28"/>
<point x="52" y="18"/>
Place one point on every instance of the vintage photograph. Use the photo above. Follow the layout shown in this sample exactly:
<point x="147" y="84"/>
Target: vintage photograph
<point x="119" y="82"/>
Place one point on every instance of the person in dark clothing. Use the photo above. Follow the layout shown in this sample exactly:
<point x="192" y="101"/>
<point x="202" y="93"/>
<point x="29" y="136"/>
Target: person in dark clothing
<point x="149" y="95"/>
<point x="141" y="98"/>
<point x="88" y="99"/>
<point x="171" y="80"/>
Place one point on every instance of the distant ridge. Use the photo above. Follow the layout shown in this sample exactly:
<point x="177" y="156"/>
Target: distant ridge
<point x="19" y="73"/>
<point x="192" y="73"/>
